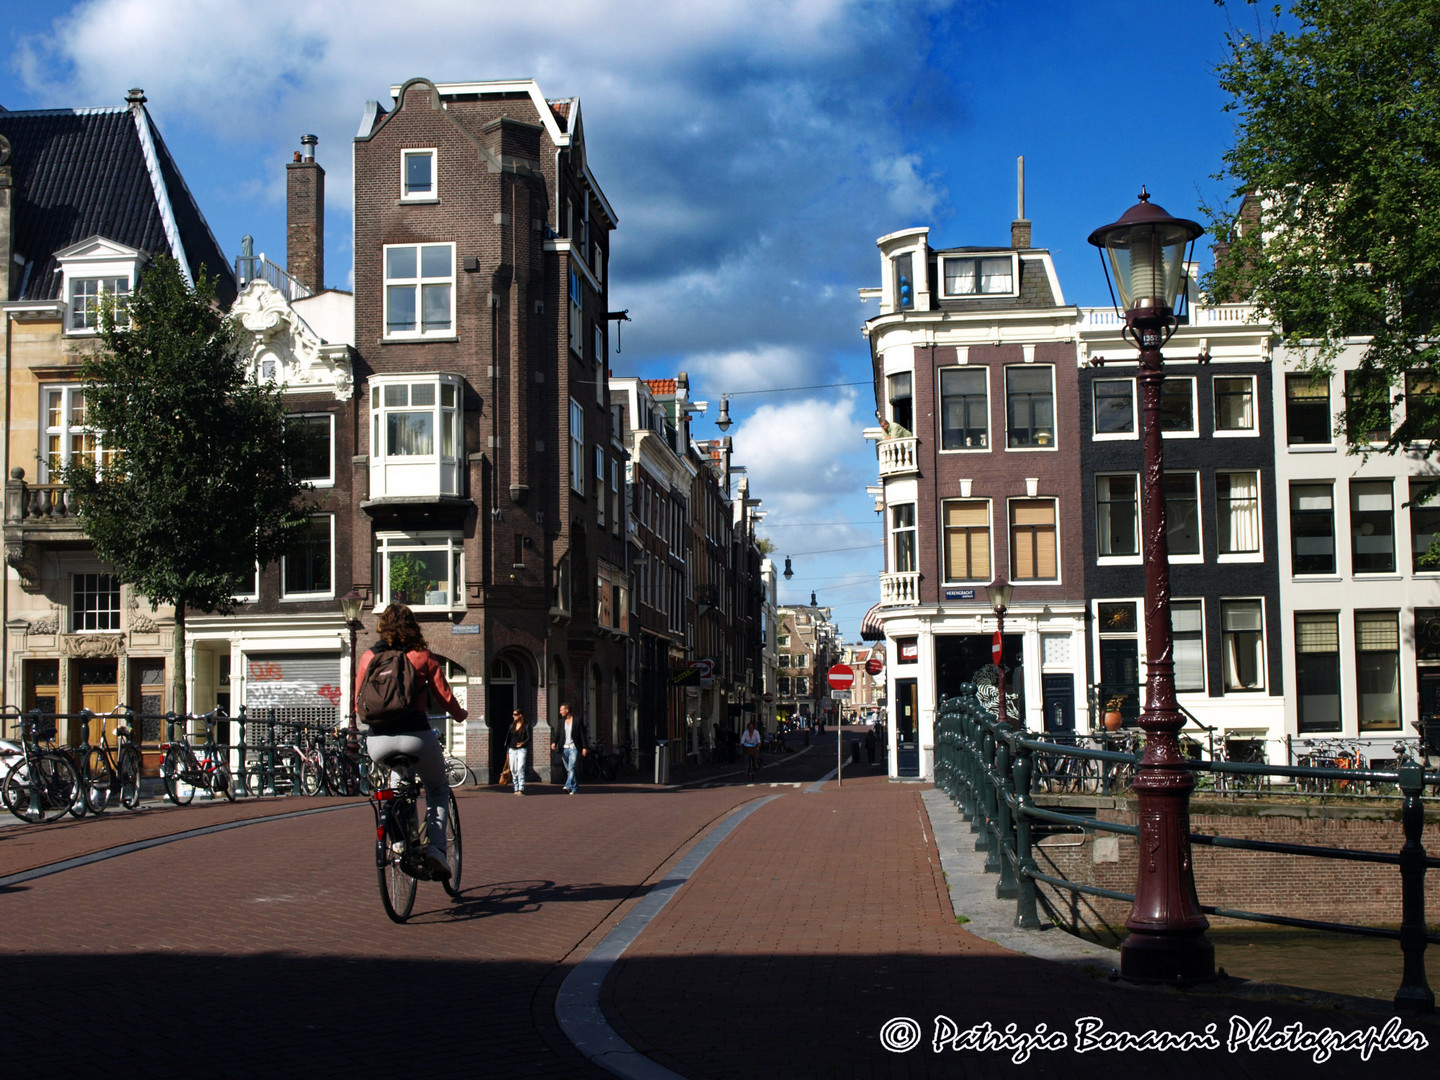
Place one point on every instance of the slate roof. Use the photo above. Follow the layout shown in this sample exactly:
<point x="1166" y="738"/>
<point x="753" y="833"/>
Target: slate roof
<point x="79" y="173"/>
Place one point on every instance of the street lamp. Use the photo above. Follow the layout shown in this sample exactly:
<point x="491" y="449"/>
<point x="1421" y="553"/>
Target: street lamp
<point x="350" y="606"/>
<point x="1000" y="601"/>
<point x="1146" y="255"/>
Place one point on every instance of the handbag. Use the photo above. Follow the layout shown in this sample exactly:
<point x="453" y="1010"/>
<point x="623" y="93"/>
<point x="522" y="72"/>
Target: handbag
<point x="505" y="777"/>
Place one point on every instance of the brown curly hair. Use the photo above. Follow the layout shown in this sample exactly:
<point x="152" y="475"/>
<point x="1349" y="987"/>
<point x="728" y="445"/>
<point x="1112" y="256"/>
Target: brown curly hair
<point x="398" y="629"/>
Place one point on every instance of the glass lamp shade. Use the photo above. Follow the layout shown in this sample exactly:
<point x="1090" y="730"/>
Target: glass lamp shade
<point x="1000" y="595"/>
<point x="350" y="605"/>
<point x="1146" y="254"/>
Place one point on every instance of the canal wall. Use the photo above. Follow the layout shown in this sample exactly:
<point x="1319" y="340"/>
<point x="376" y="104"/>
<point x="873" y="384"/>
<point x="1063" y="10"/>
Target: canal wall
<point x="1326" y="889"/>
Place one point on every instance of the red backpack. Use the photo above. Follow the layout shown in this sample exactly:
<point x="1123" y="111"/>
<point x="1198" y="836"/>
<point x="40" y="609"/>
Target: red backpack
<point x="388" y="691"/>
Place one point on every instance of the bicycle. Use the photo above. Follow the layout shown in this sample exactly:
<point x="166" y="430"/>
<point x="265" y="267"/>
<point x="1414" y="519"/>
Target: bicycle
<point x="752" y="762"/>
<point x="43" y="785"/>
<point x="182" y="771"/>
<point x="401" y="842"/>
<point x="100" y="769"/>
<point x="457" y="772"/>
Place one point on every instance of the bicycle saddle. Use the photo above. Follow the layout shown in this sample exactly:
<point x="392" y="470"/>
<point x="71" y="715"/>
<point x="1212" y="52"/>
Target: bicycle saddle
<point x="398" y="761"/>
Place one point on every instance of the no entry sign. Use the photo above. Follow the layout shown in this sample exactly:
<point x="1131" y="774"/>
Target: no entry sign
<point x="841" y="677"/>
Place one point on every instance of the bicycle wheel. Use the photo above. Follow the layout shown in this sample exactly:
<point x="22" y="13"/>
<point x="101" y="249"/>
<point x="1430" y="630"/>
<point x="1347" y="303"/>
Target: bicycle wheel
<point x="456" y="772"/>
<point x="1087" y="776"/>
<point x="397" y="888"/>
<point x="454" y="851"/>
<point x="172" y="771"/>
<point x="311" y="780"/>
<point x="97" y="780"/>
<point x="129" y="777"/>
<point x="54" y="789"/>
<point x="222" y="783"/>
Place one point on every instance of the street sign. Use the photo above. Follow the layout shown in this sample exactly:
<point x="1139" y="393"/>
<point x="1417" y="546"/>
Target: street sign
<point x="841" y="677"/>
<point x="769" y="698"/>
<point x="874" y="665"/>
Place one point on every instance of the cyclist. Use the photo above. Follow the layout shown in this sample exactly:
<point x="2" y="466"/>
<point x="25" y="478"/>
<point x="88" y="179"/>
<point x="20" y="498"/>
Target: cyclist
<point x="750" y="744"/>
<point x="413" y="735"/>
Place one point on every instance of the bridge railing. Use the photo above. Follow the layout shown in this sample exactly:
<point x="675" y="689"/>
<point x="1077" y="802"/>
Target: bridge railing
<point x="992" y="772"/>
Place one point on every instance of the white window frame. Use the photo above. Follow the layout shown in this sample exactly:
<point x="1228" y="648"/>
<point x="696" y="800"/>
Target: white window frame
<point x="1193" y="431"/>
<point x="945" y="529"/>
<point x="100" y="260"/>
<point x="329" y="418"/>
<point x="407" y="195"/>
<point x="979" y="258"/>
<point x="1223" y="521"/>
<point x="436" y="472"/>
<point x="389" y="545"/>
<point x="419" y="282"/>
<point x="577" y="447"/>
<point x="88" y="310"/>
<point x="1251" y="432"/>
<point x="1227" y="664"/>
<point x="1114" y="436"/>
<point x="66" y="431"/>
<point x="1198" y="636"/>
<point x="1129" y="557"/>
<point x="907" y="531"/>
<point x="1011" y="526"/>
<point x="317" y="594"/>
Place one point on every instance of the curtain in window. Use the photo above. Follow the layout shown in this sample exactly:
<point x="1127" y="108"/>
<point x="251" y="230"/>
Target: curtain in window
<point x="967" y="541"/>
<point x="995" y="275"/>
<point x="959" y="277"/>
<point x="410" y="434"/>
<point x="1033" y="540"/>
<point x="1240" y="623"/>
<point x="1244" y="495"/>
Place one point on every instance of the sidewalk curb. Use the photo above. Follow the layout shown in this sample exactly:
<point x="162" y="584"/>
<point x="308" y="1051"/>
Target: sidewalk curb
<point x="577" y="1005"/>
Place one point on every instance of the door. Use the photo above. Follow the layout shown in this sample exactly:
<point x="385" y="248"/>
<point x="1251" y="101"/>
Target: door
<point x="499" y="704"/>
<point x="1059" y="693"/>
<point x="907" y="722"/>
<point x="99" y="692"/>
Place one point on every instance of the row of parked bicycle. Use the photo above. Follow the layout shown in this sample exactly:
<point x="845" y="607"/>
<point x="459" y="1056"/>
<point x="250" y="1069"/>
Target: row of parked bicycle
<point x="44" y="780"/>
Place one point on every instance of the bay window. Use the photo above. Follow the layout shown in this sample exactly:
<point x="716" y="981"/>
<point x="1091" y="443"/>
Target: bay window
<point x="416" y="446"/>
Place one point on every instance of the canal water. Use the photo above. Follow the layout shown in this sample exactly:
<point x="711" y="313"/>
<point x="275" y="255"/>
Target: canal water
<point x="1337" y="963"/>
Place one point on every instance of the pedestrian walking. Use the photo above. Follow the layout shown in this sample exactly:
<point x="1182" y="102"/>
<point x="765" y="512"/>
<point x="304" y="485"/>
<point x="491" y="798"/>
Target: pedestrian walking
<point x="517" y="742"/>
<point x="572" y="744"/>
<point x="406" y="729"/>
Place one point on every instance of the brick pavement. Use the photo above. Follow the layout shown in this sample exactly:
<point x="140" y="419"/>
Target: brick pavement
<point x="821" y="917"/>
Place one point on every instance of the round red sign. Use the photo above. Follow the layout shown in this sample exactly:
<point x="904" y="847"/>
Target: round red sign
<point x="769" y="698"/>
<point x="874" y="665"/>
<point x="841" y="677"/>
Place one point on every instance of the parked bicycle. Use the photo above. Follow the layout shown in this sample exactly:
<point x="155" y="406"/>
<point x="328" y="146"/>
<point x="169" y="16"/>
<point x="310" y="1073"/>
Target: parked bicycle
<point x="1065" y="774"/>
<point x="102" y="769"/>
<point x="1331" y="754"/>
<point x="183" y="771"/>
<point x="43" y="785"/>
<point x="401" y="842"/>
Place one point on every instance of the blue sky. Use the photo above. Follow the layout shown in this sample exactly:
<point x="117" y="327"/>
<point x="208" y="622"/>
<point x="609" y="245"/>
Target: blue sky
<point x="754" y="150"/>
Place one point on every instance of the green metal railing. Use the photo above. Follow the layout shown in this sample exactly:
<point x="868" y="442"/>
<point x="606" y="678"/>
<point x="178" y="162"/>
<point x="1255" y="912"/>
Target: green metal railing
<point x="989" y="769"/>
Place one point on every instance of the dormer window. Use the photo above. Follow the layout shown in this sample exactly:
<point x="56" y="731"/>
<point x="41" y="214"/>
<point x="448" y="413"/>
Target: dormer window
<point x="96" y="271"/>
<point x="979" y="275"/>
<point x="417" y="176"/>
<point x="86" y="295"/>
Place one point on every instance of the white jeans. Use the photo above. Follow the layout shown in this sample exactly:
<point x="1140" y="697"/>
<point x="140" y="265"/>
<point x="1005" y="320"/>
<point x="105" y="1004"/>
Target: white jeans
<point x="517" y="767"/>
<point x="424" y="747"/>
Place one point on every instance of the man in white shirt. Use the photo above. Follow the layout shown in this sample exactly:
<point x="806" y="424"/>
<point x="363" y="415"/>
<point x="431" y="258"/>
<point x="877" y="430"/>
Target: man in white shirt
<point x="571" y="743"/>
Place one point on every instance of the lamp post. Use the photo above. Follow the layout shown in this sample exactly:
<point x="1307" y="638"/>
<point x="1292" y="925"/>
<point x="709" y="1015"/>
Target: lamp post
<point x="350" y="605"/>
<point x="1000" y="601"/>
<point x="1146" y="251"/>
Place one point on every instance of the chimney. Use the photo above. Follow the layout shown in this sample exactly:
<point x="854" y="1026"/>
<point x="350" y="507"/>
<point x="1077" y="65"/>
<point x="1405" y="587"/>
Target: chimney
<point x="1020" y="228"/>
<point x="305" y="217"/>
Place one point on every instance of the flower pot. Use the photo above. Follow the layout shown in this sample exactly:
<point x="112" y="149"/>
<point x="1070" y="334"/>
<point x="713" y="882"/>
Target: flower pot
<point x="1113" y="720"/>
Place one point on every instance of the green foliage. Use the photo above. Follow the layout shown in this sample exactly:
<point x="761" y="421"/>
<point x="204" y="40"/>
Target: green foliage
<point x="766" y="546"/>
<point x="198" y="491"/>
<point x="1338" y="142"/>
<point x="409" y="580"/>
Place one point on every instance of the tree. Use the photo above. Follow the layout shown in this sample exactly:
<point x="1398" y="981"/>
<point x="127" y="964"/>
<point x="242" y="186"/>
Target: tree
<point x="193" y="489"/>
<point x="1337" y="154"/>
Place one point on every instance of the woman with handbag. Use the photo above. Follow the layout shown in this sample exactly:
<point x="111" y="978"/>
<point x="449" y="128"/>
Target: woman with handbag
<point x="517" y="743"/>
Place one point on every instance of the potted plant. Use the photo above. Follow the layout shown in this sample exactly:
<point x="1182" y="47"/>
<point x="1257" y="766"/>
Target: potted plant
<point x="408" y="580"/>
<point x="1113" y="719"/>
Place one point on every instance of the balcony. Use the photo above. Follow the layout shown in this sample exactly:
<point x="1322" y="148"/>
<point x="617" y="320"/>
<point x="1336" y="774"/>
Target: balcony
<point x="900" y="590"/>
<point x="897" y="456"/>
<point x="37" y="517"/>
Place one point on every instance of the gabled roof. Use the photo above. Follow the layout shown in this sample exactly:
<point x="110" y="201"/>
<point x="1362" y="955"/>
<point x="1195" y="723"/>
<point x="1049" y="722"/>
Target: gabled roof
<point x="81" y="173"/>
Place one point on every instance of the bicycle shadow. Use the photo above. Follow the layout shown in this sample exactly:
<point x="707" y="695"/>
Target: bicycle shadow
<point x="520" y="897"/>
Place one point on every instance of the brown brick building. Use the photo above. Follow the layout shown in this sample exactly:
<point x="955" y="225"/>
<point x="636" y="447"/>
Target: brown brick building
<point x="487" y="467"/>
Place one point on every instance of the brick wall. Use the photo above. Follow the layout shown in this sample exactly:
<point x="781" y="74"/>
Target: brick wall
<point x="1293" y="885"/>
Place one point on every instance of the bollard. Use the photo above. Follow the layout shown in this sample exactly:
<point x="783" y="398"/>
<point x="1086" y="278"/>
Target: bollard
<point x="1414" y="995"/>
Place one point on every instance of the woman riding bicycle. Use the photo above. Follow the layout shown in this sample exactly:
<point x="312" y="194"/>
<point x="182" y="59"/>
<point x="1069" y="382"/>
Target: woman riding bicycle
<point x="750" y="743"/>
<point x="411" y="734"/>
